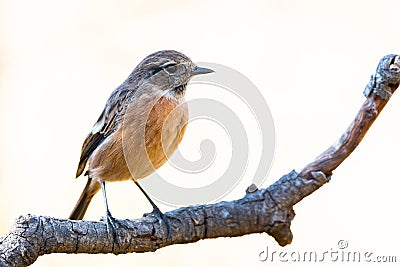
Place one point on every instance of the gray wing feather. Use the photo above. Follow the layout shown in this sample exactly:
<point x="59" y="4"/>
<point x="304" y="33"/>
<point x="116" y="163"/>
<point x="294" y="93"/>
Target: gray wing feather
<point x="107" y="123"/>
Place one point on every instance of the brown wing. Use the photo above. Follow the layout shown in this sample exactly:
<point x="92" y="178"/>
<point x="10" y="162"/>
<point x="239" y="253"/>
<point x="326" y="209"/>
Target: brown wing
<point x="107" y="123"/>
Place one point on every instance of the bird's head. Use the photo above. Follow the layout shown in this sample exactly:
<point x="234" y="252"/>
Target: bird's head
<point x="168" y="71"/>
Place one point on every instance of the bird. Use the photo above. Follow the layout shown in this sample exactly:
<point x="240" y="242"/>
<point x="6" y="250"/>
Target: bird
<point x="140" y="127"/>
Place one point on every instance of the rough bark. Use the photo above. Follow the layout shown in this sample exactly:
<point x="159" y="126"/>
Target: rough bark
<point x="268" y="210"/>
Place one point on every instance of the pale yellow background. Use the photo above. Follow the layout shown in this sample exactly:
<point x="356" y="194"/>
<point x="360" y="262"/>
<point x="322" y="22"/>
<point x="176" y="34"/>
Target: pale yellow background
<point x="60" y="60"/>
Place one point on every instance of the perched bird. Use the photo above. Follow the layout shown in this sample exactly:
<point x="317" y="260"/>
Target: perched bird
<point x="140" y="127"/>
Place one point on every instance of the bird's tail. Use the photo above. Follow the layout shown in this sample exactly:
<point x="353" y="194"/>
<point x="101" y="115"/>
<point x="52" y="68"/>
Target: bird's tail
<point x="91" y="188"/>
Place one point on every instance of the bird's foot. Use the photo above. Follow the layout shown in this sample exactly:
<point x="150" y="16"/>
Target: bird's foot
<point x="161" y="217"/>
<point x="112" y="227"/>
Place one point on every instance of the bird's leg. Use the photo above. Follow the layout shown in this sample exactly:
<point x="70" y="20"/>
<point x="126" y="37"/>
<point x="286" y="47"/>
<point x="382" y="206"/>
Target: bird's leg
<point x="157" y="212"/>
<point x="110" y="220"/>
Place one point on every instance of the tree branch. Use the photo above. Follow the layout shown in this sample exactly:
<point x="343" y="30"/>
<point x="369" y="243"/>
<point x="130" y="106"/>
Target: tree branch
<point x="267" y="210"/>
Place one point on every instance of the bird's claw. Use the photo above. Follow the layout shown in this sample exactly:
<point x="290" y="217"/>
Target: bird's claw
<point x="161" y="217"/>
<point x="111" y="227"/>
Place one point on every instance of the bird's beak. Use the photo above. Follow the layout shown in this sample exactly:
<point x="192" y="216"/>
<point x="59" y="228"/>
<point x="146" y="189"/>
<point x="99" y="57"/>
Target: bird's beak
<point x="200" y="70"/>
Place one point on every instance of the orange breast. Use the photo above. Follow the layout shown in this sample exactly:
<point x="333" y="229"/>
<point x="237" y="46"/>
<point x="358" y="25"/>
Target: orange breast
<point x="165" y="127"/>
<point x="151" y="132"/>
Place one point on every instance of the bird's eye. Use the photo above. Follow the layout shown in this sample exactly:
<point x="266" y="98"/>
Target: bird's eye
<point x="170" y="68"/>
